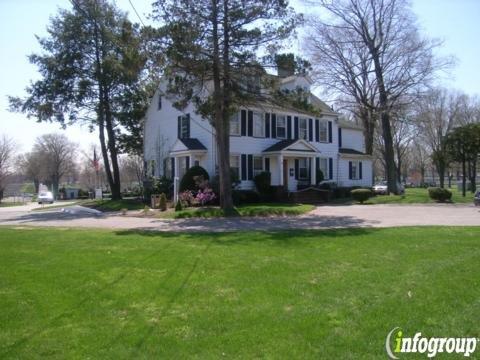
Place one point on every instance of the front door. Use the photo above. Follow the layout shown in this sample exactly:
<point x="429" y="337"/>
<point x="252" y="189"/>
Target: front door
<point x="285" y="173"/>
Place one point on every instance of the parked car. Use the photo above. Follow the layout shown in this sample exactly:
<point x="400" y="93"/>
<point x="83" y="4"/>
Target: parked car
<point x="476" y="199"/>
<point x="381" y="188"/>
<point x="45" y="197"/>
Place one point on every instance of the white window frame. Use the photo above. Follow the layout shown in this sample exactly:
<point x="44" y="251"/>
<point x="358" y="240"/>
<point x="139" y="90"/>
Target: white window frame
<point x="258" y="124"/>
<point x="257" y="170"/>
<point x="235" y="119"/>
<point x="284" y="127"/>
<point x="323" y="167"/>
<point x="300" y="129"/>
<point x="235" y="160"/>
<point x="355" y="170"/>
<point x="300" y="168"/>
<point x="323" y="131"/>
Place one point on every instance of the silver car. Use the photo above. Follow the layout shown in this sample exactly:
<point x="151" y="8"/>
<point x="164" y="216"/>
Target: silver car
<point x="45" y="197"/>
<point x="381" y="188"/>
<point x="476" y="199"/>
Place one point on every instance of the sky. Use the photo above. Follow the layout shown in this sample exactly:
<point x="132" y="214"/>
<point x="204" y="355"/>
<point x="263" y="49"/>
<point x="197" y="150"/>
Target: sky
<point x="456" y="22"/>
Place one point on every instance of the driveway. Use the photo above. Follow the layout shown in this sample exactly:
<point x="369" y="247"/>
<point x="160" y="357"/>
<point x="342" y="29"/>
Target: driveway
<point x="321" y="218"/>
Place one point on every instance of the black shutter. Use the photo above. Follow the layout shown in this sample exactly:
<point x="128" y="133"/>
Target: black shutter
<point x="317" y="165"/>
<point x="339" y="137"/>
<point x="250" y="167"/>
<point x="267" y="125"/>
<point x="250" y="123"/>
<point x="274" y="126"/>
<point x="297" y="165"/>
<point x="310" y="170"/>
<point x="267" y="164"/>
<point x="350" y="175"/>
<point x="173" y="167"/>
<point x="243" y="123"/>
<point x="188" y="162"/>
<point x="310" y="130"/>
<point x="179" y="127"/>
<point x="330" y="168"/>
<point x="360" y="170"/>
<point x="295" y="120"/>
<point x="289" y="127"/>
<point x="317" y="130"/>
<point x="244" y="167"/>
<point x="330" y="138"/>
<point x="188" y="126"/>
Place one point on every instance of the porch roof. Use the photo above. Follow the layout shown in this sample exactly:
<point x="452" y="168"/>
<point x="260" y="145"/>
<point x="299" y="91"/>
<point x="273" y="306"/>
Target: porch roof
<point x="291" y="146"/>
<point x="187" y="146"/>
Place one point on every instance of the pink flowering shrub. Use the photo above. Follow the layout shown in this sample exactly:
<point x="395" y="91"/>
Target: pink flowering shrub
<point x="187" y="198"/>
<point x="204" y="196"/>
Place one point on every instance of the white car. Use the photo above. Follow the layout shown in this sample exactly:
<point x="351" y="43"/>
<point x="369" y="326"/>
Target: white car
<point x="381" y="188"/>
<point x="45" y="197"/>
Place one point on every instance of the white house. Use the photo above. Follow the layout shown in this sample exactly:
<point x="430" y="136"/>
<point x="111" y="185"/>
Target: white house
<point x="284" y="141"/>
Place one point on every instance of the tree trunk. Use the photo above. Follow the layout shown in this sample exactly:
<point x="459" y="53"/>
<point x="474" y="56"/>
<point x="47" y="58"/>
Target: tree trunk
<point x="369" y="130"/>
<point x="36" y="185"/>
<point x="473" y="175"/>
<point x="422" y="174"/>
<point x="115" y="185"/>
<point x="464" y="177"/>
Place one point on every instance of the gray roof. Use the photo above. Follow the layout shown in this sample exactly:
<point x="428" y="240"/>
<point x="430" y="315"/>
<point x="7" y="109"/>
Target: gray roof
<point x="350" y="151"/>
<point x="193" y="144"/>
<point x="282" y="144"/>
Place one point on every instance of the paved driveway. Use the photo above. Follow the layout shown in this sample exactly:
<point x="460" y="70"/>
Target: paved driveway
<point x="320" y="218"/>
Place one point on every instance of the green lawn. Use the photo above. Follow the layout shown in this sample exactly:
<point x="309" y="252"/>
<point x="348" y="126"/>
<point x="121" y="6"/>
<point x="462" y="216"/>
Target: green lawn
<point x="331" y="294"/>
<point x="114" y="205"/>
<point x="413" y="196"/>
<point x="8" y="204"/>
<point x="272" y="209"/>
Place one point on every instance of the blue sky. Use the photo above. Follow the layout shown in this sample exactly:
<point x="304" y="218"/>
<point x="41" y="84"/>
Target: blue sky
<point x="454" y="21"/>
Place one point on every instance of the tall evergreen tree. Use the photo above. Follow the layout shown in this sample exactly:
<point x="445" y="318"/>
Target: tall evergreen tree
<point x="213" y="44"/>
<point x="92" y="71"/>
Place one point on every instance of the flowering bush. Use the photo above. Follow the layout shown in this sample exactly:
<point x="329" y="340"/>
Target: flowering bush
<point x="204" y="196"/>
<point x="187" y="198"/>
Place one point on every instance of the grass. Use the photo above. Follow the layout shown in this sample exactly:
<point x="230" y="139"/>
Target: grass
<point x="332" y="294"/>
<point x="114" y="205"/>
<point x="413" y="196"/>
<point x="272" y="209"/>
<point x="8" y="204"/>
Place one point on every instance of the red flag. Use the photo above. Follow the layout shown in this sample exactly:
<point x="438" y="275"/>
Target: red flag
<point x="96" y="164"/>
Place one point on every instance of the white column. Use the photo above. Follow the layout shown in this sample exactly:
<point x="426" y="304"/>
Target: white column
<point x="313" y="171"/>
<point x="191" y="160"/>
<point x="175" y="180"/>
<point x="280" y="169"/>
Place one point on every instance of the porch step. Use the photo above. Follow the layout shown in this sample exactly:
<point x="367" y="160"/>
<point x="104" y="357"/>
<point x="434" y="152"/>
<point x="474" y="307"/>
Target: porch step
<point x="309" y="196"/>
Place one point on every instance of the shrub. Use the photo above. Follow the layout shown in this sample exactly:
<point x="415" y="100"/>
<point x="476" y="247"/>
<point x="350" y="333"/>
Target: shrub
<point x="190" y="181"/>
<point x="215" y="183"/>
<point x="262" y="182"/>
<point x="320" y="176"/>
<point x="178" y="206"/>
<point x="186" y="198"/>
<point x="205" y="196"/>
<point x="439" y="194"/>
<point x="361" y="195"/>
<point x="163" y="185"/>
<point x="163" y="202"/>
<point x="245" y="197"/>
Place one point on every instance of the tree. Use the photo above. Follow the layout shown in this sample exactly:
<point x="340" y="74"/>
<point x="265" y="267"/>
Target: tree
<point x="463" y="145"/>
<point x="436" y="115"/>
<point x="93" y="70"/>
<point x="212" y="44"/>
<point x="383" y="42"/>
<point x="57" y="155"/>
<point x="32" y="167"/>
<point x="7" y="152"/>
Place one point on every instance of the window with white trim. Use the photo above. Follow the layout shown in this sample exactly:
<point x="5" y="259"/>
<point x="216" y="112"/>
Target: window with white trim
<point x="355" y="170"/>
<point x="281" y="127"/>
<point x="302" y="128"/>
<point x="258" y="125"/>
<point x="185" y="126"/>
<point x="323" y="166"/>
<point x="303" y="168"/>
<point x="323" y="133"/>
<point x="235" y="124"/>
<point x="235" y="165"/>
<point x="257" y="165"/>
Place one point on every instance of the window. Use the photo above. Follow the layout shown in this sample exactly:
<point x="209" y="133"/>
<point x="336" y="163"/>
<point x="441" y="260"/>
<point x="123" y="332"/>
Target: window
<point x="235" y="165"/>
<point x="159" y="104"/>
<point x="303" y="168"/>
<point x="355" y="170"/>
<point x="235" y="124"/>
<point x="323" y="131"/>
<point x="258" y="125"/>
<point x="281" y="127"/>
<point x="184" y="127"/>
<point x="257" y="165"/>
<point x="323" y="166"/>
<point x="302" y="128"/>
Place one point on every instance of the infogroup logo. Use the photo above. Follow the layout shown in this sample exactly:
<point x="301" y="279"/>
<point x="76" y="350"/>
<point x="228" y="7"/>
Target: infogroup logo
<point x="396" y="344"/>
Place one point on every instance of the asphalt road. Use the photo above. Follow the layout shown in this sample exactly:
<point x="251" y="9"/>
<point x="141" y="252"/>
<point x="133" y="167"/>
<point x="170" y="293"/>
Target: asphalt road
<point x="320" y="218"/>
